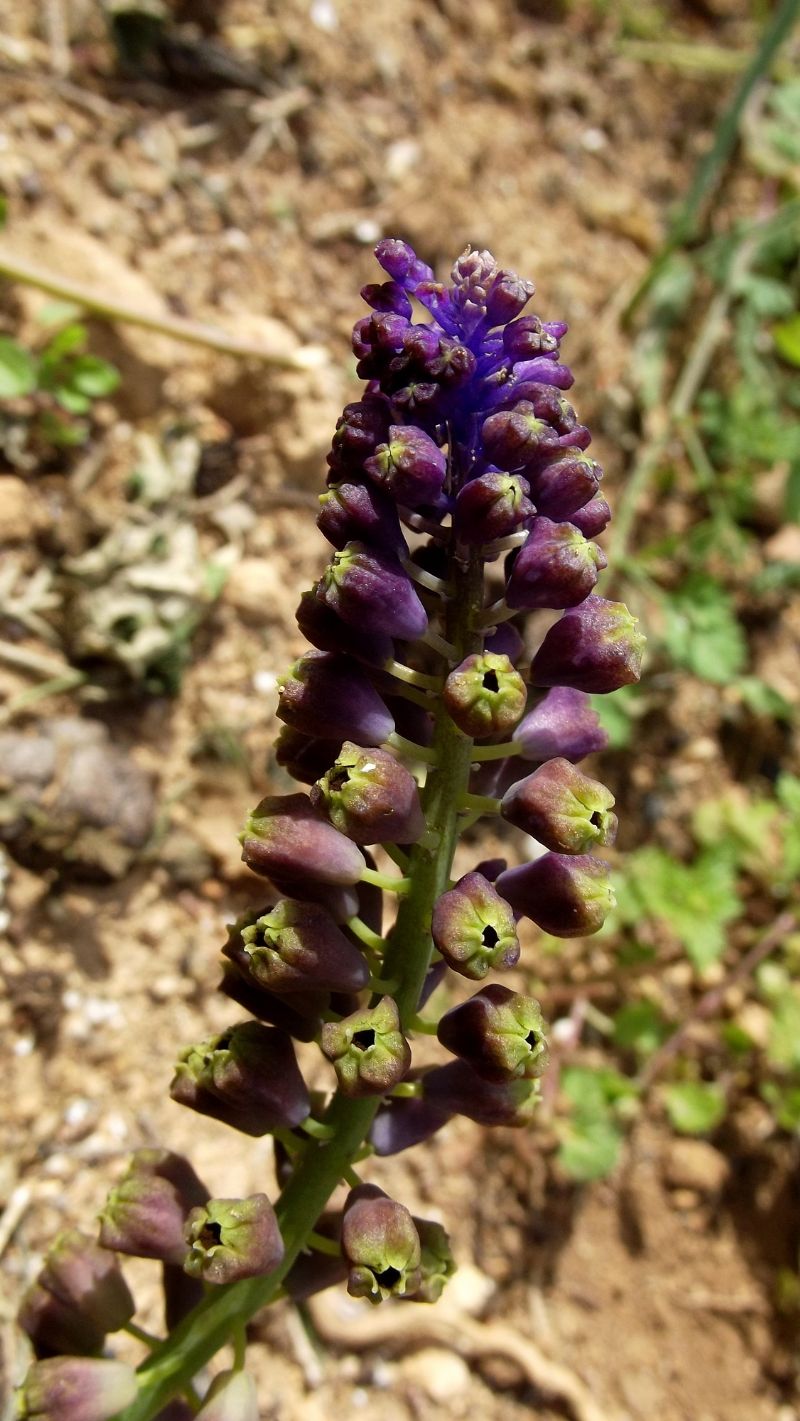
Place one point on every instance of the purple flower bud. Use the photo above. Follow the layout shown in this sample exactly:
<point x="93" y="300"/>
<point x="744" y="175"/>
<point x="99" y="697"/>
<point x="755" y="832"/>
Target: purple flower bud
<point x="556" y="567"/>
<point x="369" y="1051"/>
<point x="434" y="977"/>
<point x="507" y="296"/>
<point x="546" y="402"/>
<point x="304" y="757"/>
<point x="562" y="486"/>
<point x="411" y="720"/>
<point x="594" y="647"/>
<point x="563" y="724"/>
<point x="565" y="896"/>
<point x="341" y="900"/>
<point x="361" y="428"/>
<point x="593" y="517"/>
<point x="499" y="1033"/>
<point x="400" y="1124"/>
<point x="387" y="296"/>
<point x="181" y="1294"/>
<point x="492" y="506"/>
<point x="145" y="1213"/>
<point x="401" y="263"/>
<point x="371" y="591"/>
<point x="474" y="928"/>
<point x="513" y="438"/>
<point x="79" y="1295"/>
<point x="370" y="797"/>
<point x="328" y="696"/>
<point x="505" y="640"/>
<point x="543" y="370"/>
<point x="287" y="839"/>
<point x="378" y="341"/>
<point x="325" y="630"/>
<point x="381" y="1245"/>
<point x="527" y="338"/>
<point x="298" y="1014"/>
<point x="76" y="1389"/>
<point x="453" y="366"/>
<point x="485" y="695"/>
<point x="410" y="467"/>
<point x="457" y="1089"/>
<point x="436" y="1262"/>
<point x="231" y="1397"/>
<point x="229" y="1239"/>
<point x="246" y="1076"/>
<point x="358" y="512"/>
<point x="296" y="946"/>
<point x="562" y="808"/>
<point x="314" y="1272"/>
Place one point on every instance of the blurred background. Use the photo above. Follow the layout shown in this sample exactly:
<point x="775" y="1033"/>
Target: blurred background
<point x="189" y="194"/>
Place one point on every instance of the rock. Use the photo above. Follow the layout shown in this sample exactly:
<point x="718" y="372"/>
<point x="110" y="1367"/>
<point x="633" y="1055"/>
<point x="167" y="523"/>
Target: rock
<point x="254" y="587"/>
<point x="106" y="789"/>
<point x="69" y="797"/>
<point x="440" y="1374"/>
<point x="21" y="513"/>
<point x="696" y="1166"/>
<point x="784" y="546"/>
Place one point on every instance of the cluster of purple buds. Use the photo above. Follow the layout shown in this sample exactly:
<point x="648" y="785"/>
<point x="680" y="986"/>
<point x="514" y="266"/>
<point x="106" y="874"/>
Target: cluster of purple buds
<point x="460" y="497"/>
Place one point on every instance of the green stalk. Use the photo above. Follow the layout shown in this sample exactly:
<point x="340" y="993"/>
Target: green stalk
<point x="323" y="1163"/>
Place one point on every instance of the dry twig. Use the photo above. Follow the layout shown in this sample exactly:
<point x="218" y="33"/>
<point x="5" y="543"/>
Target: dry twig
<point x="399" y="1329"/>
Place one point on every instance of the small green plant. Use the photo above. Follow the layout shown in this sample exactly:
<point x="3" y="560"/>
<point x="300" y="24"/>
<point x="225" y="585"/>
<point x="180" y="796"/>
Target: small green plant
<point x="47" y="393"/>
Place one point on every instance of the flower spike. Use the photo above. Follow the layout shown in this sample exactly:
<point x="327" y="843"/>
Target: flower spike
<point x="459" y="498"/>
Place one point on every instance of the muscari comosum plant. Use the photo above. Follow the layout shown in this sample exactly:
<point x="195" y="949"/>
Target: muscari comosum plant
<point x="460" y="497"/>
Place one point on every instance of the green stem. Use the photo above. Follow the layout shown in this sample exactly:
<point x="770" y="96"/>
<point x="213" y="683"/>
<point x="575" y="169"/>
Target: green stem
<point x="390" y="883"/>
<point x="397" y="855"/>
<point x="383" y="986"/>
<point x="321" y="1244"/>
<point x="496" y="752"/>
<point x="412" y="677"/>
<point x="409" y="748"/>
<point x="481" y="803"/>
<point x="422" y="1025"/>
<point x="370" y="939"/>
<point x="148" y="1338"/>
<point x="323" y="1163"/>
<point x="239" y="1348"/>
<point x="316" y="1129"/>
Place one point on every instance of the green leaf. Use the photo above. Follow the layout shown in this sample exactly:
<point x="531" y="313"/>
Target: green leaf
<point x="694" y="1107"/>
<point x="784" y="1102"/>
<point x="617" y="713"/>
<point x="72" y="400"/>
<point x="64" y="433"/>
<point x="93" y="377"/>
<point x="697" y="900"/>
<point x="18" y="370"/>
<point x="56" y="313"/>
<point x="639" y="1027"/>
<point x="768" y="296"/>
<point x="783" y="1048"/>
<point x="67" y="342"/>
<point x="701" y="632"/>
<point x="786" y="336"/>
<point x="590" y="1150"/>
<point x="763" y="699"/>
